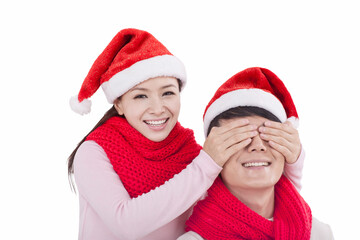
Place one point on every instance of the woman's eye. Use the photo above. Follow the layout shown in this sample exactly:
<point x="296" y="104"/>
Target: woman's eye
<point x="140" y="96"/>
<point x="168" y="93"/>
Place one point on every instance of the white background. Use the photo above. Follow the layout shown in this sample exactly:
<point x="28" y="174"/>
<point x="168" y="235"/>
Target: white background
<point x="47" y="48"/>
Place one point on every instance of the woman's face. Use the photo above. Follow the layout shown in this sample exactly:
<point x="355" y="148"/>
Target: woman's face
<point x="257" y="166"/>
<point x="152" y="107"/>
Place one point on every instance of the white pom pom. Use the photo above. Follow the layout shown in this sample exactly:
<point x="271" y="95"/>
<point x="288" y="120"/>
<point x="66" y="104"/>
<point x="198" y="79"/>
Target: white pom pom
<point x="82" y="108"/>
<point x="294" y="121"/>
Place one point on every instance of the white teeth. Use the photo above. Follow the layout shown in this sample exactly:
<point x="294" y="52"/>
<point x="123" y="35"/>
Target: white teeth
<point x="154" y="123"/>
<point x="255" y="164"/>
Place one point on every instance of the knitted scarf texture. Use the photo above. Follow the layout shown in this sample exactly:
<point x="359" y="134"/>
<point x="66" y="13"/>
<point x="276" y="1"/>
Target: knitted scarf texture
<point x="142" y="164"/>
<point x="222" y="216"/>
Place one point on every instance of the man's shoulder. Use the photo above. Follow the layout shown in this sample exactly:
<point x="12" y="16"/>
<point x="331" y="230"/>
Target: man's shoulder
<point x="320" y="230"/>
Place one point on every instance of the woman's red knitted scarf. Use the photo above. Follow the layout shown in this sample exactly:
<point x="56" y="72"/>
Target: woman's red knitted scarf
<point x="142" y="164"/>
<point x="222" y="216"/>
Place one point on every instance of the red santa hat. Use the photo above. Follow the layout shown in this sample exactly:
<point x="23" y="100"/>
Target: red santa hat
<point x="255" y="87"/>
<point x="132" y="57"/>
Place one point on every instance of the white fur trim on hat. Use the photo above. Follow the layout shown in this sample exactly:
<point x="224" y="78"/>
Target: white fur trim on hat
<point x="244" y="97"/>
<point x="165" y="65"/>
<point x="294" y="121"/>
<point x="82" y="108"/>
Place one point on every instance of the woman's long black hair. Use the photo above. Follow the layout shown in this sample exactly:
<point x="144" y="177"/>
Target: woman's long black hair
<point x="109" y="114"/>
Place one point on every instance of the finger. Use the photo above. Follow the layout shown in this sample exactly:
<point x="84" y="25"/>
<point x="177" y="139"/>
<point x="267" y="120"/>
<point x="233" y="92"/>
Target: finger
<point x="291" y="134"/>
<point x="289" y="157"/>
<point x="276" y="132"/>
<point x="231" y="125"/>
<point x="219" y="142"/>
<point x="236" y="148"/>
<point x="238" y="138"/>
<point x="281" y="126"/>
<point x="290" y="124"/>
<point x="278" y="140"/>
<point x="225" y="132"/>
<point x="239" y="134"/>
<point x="221" y="153"/>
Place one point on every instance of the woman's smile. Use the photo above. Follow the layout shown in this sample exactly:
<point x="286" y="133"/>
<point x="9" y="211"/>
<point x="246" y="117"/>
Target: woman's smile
<point x="157" y="124"/>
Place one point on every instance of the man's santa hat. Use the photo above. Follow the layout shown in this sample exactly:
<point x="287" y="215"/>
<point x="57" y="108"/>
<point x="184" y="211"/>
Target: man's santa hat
<point x="132" y="57"/>
<point x="253" y="87"/>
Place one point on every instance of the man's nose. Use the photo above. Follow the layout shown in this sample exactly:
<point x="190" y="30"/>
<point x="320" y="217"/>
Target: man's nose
<point x="257" y="144"/>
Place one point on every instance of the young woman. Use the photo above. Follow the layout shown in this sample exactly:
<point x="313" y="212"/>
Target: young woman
<point x="139" y="172"/>
<point x="252" y="199"/>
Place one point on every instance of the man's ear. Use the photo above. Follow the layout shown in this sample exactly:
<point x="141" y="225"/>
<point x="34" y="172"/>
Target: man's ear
<point x="118" y="106"/>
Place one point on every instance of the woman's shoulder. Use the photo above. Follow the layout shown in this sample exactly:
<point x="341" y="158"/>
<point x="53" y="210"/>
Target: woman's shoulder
<point x="89" y="148"/>
<point x="89" y="154"/>
<point x="89" y="145"/>
<point x="320" y="230"/>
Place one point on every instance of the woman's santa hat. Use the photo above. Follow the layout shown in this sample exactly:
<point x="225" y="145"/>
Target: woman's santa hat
<point x="132" y="57"/>
<point x="253" y="87"/>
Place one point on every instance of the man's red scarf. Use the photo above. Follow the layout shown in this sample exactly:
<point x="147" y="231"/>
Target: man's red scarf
<point x="142" y="164"/>
<point x="222" y="216"/>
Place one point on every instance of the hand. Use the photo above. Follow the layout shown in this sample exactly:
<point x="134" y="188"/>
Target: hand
<point x="225" y="141"/>
<point x="284" y="138"/>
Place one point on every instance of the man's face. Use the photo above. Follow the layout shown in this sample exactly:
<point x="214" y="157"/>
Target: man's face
<point x="257" y="166"/>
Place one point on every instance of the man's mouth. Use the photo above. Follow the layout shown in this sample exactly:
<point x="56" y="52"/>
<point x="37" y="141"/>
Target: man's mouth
<point x="256" y="164"/>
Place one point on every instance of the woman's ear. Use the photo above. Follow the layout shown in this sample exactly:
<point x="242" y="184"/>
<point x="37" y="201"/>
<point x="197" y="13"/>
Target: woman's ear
<point x="118" y="107"/>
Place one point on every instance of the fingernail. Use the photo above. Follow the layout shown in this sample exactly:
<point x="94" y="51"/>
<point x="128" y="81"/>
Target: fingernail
<point x="262" y="129"/>
<point x="267" y="123"/>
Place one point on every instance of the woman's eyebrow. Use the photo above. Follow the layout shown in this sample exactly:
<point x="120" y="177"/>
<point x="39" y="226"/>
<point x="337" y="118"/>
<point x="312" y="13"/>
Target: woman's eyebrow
<point x="139" y="89"/>
<point x="146" y="89"/>
<point x="170" y="85"/>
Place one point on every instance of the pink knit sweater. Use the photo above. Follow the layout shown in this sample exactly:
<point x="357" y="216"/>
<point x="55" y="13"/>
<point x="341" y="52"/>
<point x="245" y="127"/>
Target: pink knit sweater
<point x="108" y="212"/>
